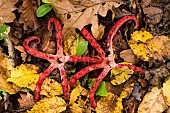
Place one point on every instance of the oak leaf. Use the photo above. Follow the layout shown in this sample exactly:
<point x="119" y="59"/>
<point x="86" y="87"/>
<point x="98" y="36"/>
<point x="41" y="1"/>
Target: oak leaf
<point x="28" y="16"/>
<point x="149" y="47"/>
<point x="49" y="105"/>
<point x="79" y="15"/>
<point x="6" y="14"/>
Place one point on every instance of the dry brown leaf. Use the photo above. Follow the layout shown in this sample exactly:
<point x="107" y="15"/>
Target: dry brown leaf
<point x="26" y="100"/>
<point x="153" y="102"/>
<point x="28" y="16"/>
<point x="23" y="53"/>
<point x="77" y="16"/>
<point x="128" y="56"/>
<point x="6" y="14"/>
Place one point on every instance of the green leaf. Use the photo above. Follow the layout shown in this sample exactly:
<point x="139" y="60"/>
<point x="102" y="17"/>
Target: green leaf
<point x="91" y="83"/>
<point x="3" y="31"/>
<point x="3" y="28"/>
<point x="48" y="1"/>
<point x="81" y="47"/>
<point x="101" y="91"/>
<point x="3" y="92"/>
<point x="43" y="9"/>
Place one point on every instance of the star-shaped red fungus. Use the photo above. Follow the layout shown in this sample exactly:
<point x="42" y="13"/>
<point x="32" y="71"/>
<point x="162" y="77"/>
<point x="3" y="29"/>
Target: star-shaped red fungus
<point x="59" y="60"/>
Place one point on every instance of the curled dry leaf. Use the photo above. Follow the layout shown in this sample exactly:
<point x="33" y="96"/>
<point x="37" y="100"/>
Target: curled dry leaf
<point x="23" y="53"/>
<point x="151" y="101"/>
<point x="28" y="16"/>
<point x="49" y="105"/>
<point x="149" y="47"/>
<point x="79" y="15"/>
<point x="6" y="14"/>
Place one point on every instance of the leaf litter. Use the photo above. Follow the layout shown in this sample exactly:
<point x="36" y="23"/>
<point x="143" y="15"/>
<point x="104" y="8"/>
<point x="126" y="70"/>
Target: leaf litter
<point x="149" y="48"/>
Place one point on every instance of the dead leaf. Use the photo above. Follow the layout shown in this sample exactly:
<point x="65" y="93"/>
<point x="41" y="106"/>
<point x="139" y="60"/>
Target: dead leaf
<point x="77" y="104"/>
<point x="8" y="87"/>
<point x="26" y="100"/>
<point x="166" y="90"/>
<point x="51" y="88"/>
<point x="77" y="16"/>
<point x="128" y="56"/>
<point x="106" y="104"/>
<point x="113" y="103"/>
<point x="23" y="53"/>
<point x="120" y="75"/>
<point x="154" y="14"/>
<point x="49" y="105"/>
<point x="70" y="46"/>
<point x="25" y="75"/>
<point x="6" y="14"/>
<point x="28" y="16"/>
<point x="5" y="68"/>
<point x="151" y="101"/>
<point x="149" y="47"/>
<point x="126" y="91"/>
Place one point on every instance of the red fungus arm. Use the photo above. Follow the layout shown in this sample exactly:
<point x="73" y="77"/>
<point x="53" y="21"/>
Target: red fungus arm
<point x="83" y="59"/>
<point x="41" y="80"/>
<point x="115" y="28"/>
<point x="131" y="67"/>
<point x="64" y="81"/>
<point x="35" y="52"/>
<point x="58" y="30"/>
<point x="93" y="42"/>
<point x="84" y="71"/>
<point x="96" y="84"/>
